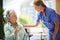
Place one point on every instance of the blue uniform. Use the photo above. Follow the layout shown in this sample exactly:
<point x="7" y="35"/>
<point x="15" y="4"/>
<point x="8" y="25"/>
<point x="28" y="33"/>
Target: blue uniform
<point x="49" y="20"/>
<point x="58" y="35"/>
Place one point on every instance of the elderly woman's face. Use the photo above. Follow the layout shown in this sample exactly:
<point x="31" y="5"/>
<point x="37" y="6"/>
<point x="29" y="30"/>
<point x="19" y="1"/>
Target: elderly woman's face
<point x="13" y="17"/>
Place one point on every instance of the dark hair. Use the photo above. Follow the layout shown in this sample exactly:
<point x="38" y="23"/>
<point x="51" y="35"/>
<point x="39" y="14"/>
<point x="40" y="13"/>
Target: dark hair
<point x="39" y="2"/>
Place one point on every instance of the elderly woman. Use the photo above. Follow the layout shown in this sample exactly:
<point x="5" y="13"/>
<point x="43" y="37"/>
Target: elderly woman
<point x="14" y="30"/>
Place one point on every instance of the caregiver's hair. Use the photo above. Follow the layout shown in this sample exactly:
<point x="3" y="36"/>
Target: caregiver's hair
<point x="39" y="2"/>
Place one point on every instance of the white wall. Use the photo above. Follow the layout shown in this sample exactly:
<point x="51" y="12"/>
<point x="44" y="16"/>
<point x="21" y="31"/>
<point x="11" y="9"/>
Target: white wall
<point x="15" y="5"/>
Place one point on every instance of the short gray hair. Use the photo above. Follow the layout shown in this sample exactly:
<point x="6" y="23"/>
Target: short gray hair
<point x="8" y="13"/>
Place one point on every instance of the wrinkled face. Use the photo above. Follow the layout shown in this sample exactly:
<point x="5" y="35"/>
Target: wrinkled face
<point x="13" y="17"/>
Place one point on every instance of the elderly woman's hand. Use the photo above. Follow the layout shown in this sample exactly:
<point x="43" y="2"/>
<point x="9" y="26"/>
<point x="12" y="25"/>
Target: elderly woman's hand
<point x="16" y="30"/>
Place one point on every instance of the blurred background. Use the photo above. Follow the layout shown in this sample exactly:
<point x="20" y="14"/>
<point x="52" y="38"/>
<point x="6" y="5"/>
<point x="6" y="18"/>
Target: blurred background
<point x="27" y="15"/>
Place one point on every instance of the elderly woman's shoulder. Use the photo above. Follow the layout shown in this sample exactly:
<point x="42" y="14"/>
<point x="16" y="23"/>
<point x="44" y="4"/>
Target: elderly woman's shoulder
<point x="20" y="24"/>
<point x="6" y="26"/>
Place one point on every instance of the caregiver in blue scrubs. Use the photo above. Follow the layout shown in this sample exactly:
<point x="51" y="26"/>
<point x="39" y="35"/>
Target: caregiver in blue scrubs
<point x="49" y="18"/>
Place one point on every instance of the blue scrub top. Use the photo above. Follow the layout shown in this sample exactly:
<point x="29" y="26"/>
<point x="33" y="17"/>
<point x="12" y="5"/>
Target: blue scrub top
<point x="58" y="35"/>
<point x="58" y="15"/>
<point x="48" y="20"/>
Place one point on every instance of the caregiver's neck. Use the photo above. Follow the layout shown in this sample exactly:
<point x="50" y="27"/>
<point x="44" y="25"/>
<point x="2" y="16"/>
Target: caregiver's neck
<point x="44" y="11"/>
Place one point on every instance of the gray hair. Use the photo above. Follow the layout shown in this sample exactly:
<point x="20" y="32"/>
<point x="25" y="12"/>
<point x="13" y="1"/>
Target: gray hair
<point x="8" y="13"/>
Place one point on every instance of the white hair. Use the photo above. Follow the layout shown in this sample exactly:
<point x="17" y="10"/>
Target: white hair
<point x="7" y="14"/>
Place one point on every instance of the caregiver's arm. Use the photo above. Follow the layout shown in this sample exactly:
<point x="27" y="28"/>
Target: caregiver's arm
<point x="31" y="25"/>
<point x="55" y="29"/>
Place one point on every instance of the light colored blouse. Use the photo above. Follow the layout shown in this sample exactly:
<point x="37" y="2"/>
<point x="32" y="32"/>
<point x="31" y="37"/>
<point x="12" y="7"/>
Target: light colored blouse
<point x="9" y="32"/>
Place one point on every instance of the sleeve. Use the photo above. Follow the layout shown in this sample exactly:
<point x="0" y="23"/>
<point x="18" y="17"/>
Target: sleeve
<point x="8" y="34"/>
<point x="58" y="17"/>
<point x="38" y="18"/>
<point x="53" y="16"/>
